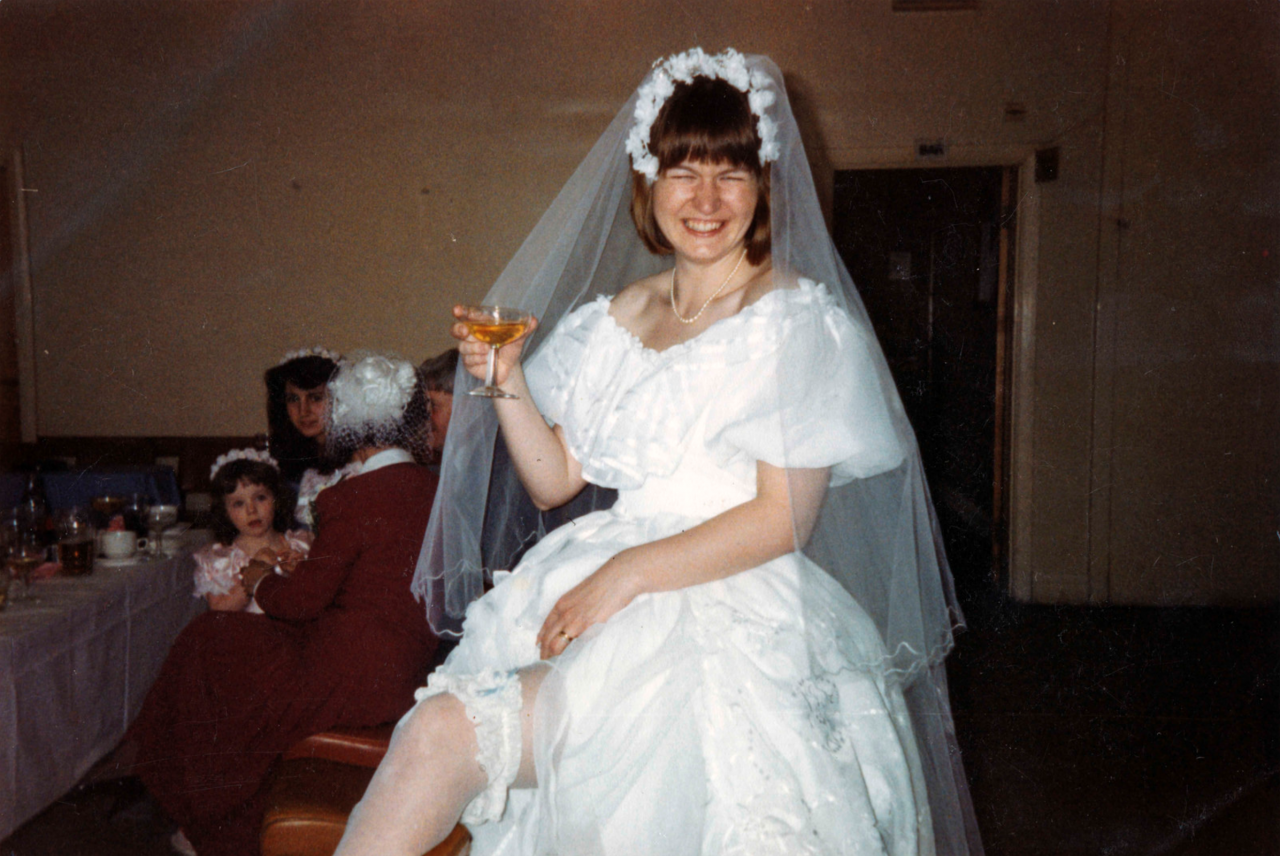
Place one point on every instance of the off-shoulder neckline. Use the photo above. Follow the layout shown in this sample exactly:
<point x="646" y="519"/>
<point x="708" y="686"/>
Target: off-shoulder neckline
<point x="803" y="285"/>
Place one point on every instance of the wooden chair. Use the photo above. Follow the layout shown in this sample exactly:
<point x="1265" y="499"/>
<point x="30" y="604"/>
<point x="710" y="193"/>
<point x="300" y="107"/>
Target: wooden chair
<point x="318" y="782"/>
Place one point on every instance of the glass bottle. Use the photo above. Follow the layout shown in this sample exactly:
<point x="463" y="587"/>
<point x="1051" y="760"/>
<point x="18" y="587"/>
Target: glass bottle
<point x="33" y="510"/>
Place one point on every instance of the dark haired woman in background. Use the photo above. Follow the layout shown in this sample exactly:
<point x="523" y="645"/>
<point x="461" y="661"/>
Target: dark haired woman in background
<point x="297" y="407"/>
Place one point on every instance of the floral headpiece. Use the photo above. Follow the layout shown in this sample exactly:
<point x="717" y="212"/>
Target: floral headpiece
<point x="730" y="67"/>
<point x="317" y="351"/>
<point x="261" y="456"/>
<point x="370" y="392"/>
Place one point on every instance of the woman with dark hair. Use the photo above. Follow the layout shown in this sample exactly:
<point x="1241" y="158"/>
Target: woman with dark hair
<point x="743" y="654"/>
<point x="297" y="403"/>
<point x="342" y="641"/>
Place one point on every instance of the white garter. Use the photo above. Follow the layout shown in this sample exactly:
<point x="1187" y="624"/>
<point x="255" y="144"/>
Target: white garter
<point x="493" y="701"/>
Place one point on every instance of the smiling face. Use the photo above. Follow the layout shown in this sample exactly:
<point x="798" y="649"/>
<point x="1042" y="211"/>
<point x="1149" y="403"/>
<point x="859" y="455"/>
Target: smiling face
<point x="705" y="209"/>
<point x="251" y="509"/>
<point x="307" y="409"/>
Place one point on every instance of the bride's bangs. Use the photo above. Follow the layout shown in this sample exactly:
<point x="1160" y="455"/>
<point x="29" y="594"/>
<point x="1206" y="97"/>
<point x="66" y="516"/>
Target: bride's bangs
<point x="709" y="121"/>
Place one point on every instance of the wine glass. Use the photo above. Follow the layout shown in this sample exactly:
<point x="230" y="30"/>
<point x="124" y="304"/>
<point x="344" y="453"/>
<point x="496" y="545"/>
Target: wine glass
<point x="135" y="513"/>
<point x="76" y="541"/>
<point x="495" y="326"/>
<point x="26" y="553"/>
<point x="160" y="518"/>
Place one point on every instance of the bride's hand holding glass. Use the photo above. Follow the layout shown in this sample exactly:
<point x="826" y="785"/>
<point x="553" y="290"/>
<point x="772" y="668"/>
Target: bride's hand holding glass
<point x="491" y="339"/>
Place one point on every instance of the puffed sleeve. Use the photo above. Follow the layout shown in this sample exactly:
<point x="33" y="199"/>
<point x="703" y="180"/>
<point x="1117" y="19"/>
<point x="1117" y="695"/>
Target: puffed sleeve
<point x="587" y="380"/>
<point x="812" y="399"/>
<point x="557" y="375"/>
<point x="299" y="540"/>
<point x="217" y="567"/>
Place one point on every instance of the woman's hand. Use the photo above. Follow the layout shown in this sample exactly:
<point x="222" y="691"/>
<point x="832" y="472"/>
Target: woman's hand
<point x="475" y="354"/>
<point x="288" y="560"/>
<point x="253" y="573"/>
<point x="593" y="601"/>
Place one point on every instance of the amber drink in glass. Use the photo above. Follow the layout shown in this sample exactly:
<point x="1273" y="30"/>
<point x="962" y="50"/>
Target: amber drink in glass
<point x="495" y="326"/>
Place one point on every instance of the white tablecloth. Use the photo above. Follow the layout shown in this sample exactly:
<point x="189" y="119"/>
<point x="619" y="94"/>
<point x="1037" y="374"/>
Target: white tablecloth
<point x="76" y="660"/>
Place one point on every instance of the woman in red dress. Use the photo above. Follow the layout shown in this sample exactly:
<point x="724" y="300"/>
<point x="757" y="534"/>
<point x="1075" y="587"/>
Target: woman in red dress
<point x="342" y="641"/>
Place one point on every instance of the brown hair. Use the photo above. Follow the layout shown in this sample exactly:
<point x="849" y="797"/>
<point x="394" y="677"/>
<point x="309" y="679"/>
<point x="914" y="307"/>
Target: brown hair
<point x="295" y="452"/>
<point x="710" y="121"/>
<point x="228" y="478"/>
<point x="437" y="372"/>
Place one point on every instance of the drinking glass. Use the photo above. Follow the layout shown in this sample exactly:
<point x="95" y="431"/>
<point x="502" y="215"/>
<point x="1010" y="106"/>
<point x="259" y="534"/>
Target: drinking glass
<point x="105" y="508"/>
<point x="26" y="553"/>
<point x="159" y="518"/>
<point x="76" y="542"/>
<point x="495" y="326"/>
<point x="135" y="513"/>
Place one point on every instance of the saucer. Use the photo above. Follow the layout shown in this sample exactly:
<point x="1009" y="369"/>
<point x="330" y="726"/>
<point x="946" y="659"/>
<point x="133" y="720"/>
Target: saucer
<point x="107" y="562"/>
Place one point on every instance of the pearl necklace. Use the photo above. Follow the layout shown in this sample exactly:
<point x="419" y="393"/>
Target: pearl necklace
<point x="714" y="295"/>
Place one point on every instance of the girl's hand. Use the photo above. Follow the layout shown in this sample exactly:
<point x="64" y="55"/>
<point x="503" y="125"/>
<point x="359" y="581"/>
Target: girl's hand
<point x="475" y="354"/>
<point x="233" y="601"/>
<point x="266" y="555"/>
<point x="593" y="601"/>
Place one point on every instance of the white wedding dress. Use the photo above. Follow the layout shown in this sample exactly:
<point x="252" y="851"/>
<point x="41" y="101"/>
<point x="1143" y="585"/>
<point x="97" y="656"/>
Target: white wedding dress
<point x="751" y="715"/>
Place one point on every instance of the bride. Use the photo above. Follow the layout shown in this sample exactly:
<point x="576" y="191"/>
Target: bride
<point x="743" y="654"/>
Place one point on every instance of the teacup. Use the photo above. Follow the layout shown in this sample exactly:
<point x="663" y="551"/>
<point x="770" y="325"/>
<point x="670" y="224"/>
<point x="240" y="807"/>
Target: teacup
<point x="121" y="544"/>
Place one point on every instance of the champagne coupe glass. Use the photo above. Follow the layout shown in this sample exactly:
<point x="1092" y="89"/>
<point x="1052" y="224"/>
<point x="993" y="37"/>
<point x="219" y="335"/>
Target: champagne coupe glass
<point x="26" y="553"/>
<point x="495" y="326"/>
<point x="160" y="518"/>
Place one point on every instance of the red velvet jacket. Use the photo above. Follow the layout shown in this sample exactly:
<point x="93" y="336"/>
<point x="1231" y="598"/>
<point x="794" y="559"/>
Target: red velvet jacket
<point x="351" y="595"/>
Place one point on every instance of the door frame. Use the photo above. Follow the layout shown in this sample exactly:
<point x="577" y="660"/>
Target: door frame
<point x="1024" y="287"/>
<point x="15" y="191"/>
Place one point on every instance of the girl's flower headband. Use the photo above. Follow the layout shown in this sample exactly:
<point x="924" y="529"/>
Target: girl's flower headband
<point x="262" y="457"/>
<point x="317" y="351"/>
<point x="730" y="67"/>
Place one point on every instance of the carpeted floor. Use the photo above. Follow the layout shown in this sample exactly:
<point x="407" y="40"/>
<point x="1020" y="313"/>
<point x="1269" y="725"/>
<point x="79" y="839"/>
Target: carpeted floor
<point x="1098" y="732"/>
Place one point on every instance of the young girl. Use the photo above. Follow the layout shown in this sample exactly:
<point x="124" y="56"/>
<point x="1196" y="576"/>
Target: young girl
<point x="251" y="514"/>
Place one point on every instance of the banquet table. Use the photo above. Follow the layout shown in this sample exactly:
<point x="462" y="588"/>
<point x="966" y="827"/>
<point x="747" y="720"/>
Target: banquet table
<point x="77" y="656"/>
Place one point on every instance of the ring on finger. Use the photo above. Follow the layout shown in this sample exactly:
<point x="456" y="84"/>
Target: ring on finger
<point x="564" y="635"/>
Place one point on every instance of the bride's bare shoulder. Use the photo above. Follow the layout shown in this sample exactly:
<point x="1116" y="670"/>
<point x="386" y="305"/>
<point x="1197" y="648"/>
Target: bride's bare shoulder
<point x="637" y="298"/>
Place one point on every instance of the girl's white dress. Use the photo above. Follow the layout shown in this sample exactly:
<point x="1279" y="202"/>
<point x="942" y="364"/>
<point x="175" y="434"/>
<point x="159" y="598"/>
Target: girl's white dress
<point x="750" y="715"/>
<point x="219" y="565"/>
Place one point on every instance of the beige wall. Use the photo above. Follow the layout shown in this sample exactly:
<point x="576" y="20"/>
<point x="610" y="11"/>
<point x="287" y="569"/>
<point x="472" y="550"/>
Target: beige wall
<point x="221" y="182"/>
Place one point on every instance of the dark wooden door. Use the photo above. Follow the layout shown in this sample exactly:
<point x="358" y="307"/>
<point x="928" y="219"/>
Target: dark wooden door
<point x="929" y="250"/>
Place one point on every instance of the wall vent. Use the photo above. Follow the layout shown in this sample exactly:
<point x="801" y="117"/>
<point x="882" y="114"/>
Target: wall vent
<point x="931" y="149"/>
<point x="935" y="5"/>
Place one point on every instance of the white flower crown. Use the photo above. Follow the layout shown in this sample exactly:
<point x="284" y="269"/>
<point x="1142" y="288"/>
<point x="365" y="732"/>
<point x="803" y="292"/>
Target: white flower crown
<point x="317" y="351"/>
<point x="261" y="456"/>
<point x="730" y="67"/>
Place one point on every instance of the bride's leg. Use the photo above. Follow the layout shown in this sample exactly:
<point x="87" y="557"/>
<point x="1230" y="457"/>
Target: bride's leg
<point x="429" y="776"/>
